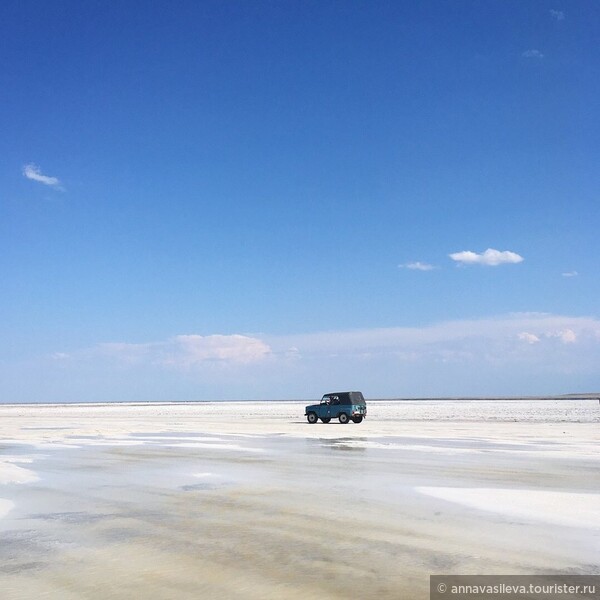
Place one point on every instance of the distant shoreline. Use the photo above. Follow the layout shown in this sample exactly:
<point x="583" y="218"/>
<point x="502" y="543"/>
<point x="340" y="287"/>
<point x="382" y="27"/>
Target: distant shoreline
<point x="586" y="396"/>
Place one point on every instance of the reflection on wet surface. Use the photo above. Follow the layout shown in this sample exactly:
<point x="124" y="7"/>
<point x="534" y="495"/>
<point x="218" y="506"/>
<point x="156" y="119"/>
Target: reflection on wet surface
<point x="197" y="487"/>
<point x="72" y="517"/>
<point x="305" y="518"/>
<point x="343" y="443"/>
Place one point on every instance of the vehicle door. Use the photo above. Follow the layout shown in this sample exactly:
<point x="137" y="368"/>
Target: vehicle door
<point x="325" y="408"/>
<point x="334" y="406"/>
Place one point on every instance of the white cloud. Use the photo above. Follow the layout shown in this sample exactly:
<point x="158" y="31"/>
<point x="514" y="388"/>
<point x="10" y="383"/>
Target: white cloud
<point x="570" y="274"/>
<point x="193" y="350"/>
<point x="566" y="336"/>
<point x="533" y="53"/>
<point x="559" y="15"/>
<point x="417" y="266"/>
<point x="467" y="338"/>
<point x="490" y="257"/>
<point x="526" y="353"/>
<point x="476" y="338"/>
<point x="33" y="172"/>
<point x="530" y="338"/>
<point x="188" y="351"/>
<point x="292" y="353"/>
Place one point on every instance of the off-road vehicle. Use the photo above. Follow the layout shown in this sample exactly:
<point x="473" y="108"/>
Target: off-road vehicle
<point x="344" y="406"/>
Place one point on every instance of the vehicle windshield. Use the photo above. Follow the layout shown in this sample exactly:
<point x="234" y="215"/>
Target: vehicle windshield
<point x="330" y="400"/>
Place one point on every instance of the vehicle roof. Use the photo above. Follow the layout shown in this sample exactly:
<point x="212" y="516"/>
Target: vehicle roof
<point x="347" y="397"/>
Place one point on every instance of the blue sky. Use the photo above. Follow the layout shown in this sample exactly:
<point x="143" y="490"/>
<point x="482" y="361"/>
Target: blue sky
<point x="211" y="200"/>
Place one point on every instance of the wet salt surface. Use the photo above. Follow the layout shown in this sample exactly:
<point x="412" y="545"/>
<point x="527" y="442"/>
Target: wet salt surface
<point x="129" y="508"/>
<point x="564" y="508"/>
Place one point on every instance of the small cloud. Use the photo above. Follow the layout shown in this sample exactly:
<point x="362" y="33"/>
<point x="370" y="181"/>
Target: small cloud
<point x="489" y="258"/>
<point x="530" y="338"/>
<point x="292" y="352"/>
<point x="417" y="266"/>
<point x="34" y="173"/>
<point x="559" y="15"/>
<point x="566" y="336"/>
<point x="570" y="274"/>
<point x="534" y="54"/>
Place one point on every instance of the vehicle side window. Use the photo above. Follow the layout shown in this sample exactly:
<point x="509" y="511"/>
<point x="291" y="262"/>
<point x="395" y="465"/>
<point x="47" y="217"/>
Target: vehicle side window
<point x="335" y="400"/>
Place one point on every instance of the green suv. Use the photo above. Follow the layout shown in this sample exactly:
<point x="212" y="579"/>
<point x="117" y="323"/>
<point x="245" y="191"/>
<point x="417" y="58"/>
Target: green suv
<point x="344" y="406"/>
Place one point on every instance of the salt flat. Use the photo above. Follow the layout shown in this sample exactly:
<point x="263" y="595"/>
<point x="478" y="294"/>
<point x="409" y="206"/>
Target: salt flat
<point x="246" y="500"/>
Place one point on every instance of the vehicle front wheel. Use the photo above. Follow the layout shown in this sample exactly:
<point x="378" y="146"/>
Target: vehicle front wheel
<point x="343" y="418"/>
<point x="325" y="419"/>
<point x="312" y="417"/>
<point x="357" y="419"/>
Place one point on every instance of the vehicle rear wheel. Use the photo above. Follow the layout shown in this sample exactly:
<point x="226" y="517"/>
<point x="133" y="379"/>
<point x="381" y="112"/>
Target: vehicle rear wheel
<point x="312" y="417"/>
<point x="325" y="419"/>
<point x="343" y="418"/>
<point x="357" y="419"/>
